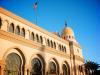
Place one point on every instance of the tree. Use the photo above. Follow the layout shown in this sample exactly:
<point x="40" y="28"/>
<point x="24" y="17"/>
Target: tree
<point x="91" y="67"/>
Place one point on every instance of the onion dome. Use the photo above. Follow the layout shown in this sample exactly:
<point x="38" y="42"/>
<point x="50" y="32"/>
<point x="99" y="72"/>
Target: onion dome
<point x="68" y="30"/>
<point x="68" y="33"/>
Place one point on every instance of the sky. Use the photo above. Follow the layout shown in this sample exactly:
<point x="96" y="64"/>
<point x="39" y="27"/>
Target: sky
<point x="83" y="16"/>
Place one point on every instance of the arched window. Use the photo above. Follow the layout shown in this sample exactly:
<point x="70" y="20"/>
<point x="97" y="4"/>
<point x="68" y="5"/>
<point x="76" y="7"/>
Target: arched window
<point x="69" y="37"/>
<point x="52" y="68"/>
<point x="23" y="32"/>
<point x="11" y="28"/>
<point x="37" y="38"/>
<point x="64" y="49"/>
<point x="13" y="64"/>
<point x="51" y="44"/>
<point x="54" y="45"/>
<point x="32" y="36"/>
<point x="17" y="30"/>
<point x="64" y="37"/>
<point x="36" y="67"/>
<point x="48" y="42"/>
<point x="0" y="23"/>
<point x="59" y="47"/>
<point x="41" y="39"/>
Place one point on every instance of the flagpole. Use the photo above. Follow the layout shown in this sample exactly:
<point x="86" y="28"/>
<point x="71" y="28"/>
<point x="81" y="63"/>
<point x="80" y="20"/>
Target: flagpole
<point x="36" y="16"/>
<point x="36" y="10"/>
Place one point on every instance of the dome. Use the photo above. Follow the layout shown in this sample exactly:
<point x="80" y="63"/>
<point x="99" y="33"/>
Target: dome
<point x="68" y="30"/>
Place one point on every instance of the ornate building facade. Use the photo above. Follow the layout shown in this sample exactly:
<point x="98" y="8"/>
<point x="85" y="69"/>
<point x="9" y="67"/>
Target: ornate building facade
<point x="26" y="49"/>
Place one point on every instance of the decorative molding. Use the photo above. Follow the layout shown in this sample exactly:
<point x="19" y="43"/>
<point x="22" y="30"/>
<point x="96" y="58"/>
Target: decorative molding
<point x="18" y="18"/>
<point x="21" y="40"/>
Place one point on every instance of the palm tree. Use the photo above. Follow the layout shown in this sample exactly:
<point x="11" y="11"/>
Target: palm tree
<point x="91" y="67"/>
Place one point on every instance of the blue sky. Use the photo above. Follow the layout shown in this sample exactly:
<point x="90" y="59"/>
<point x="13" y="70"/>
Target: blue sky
<point x="83" y="16"/>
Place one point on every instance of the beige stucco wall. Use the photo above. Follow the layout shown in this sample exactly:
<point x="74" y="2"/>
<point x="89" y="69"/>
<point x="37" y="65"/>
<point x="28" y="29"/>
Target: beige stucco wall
<point x="9" y="41"/>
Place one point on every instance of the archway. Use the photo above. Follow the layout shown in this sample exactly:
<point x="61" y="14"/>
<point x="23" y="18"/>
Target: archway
<point x="65" y="68"/>
<point x="53" y="67"/>
<point x="37" y="67"/>
<point x="13" y="64"/>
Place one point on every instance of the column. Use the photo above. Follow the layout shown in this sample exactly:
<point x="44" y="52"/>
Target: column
<point x="27" y="34"/>
<point x="2" y="67"/>
<point x="27" y="70"/>
<point x="44" y="41"/>
<point x="4" y="25"/>
<point x="2" y="70"/>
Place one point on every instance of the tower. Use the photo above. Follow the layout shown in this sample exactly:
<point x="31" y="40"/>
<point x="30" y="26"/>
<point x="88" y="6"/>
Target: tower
<point x="75" y="48"/>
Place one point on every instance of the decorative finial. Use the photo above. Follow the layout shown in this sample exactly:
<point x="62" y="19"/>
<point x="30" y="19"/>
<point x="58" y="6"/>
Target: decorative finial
<point x="65" y="23"/>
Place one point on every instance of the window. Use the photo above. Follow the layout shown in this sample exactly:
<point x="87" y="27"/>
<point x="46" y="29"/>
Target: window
<point x="36" y="67"/>
<point x="51" y="44"/>
<point x="13" y="64"/>
<point x="69" y="36"/>
<point x="41" y="39"/>
<point x="52" y="67"/>
<point x="0" y="23"/>
<point x="17" y="31"/>
<point x="37" y="38"/>
<point x="59" y="47"/>
<point x="11" y="28"/>
<point x="64" y="49"/>
<point x="23" y="32"/>
<point x="64" y="37"/>
<point x="32" y="36"/>
<point x="48" y="42"/>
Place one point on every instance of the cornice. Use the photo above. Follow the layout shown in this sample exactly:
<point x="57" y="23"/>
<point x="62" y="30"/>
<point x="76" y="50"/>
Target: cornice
<point x="33" y="44"/>
<point x="18" y="18"/>
<point x="20" y="40"/>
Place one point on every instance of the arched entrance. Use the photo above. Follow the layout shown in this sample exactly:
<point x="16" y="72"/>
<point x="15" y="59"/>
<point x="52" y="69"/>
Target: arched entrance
<point x="14" y="64"/>
<point x="53" y="68"/>
<point x="37" y="67"/>
<point x="65" y="68"/>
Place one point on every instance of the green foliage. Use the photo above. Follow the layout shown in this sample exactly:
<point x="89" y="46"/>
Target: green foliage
<point x="91" y="67"/>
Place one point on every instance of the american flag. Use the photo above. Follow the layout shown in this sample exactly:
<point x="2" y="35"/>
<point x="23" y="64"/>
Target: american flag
<point x="35" y="5"/>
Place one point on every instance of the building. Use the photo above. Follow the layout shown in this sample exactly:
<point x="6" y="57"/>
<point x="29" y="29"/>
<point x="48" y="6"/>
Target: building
<point x="26" y="49"/>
